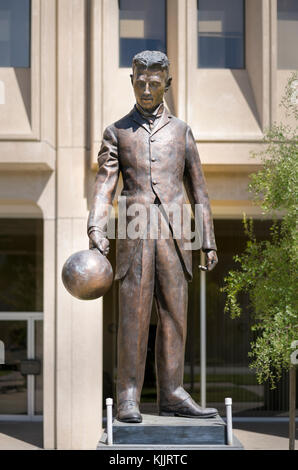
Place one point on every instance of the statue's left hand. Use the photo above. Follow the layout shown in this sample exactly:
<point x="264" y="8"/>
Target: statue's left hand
<point x="212" y="259"/>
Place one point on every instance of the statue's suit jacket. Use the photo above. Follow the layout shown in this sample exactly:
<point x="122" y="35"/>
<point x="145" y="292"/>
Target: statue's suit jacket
<point x="152" y="163"/>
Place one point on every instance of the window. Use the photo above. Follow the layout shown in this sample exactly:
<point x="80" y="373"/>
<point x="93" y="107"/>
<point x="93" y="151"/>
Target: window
<point x="221" y="34"/>
<point x="21" y="265"/>
<point x="13" y="385"/>
<point x="142" y="25"/>
<point x="15" y="33"/>
<point x="228" y="341"/>
<point x="287" y="34"/>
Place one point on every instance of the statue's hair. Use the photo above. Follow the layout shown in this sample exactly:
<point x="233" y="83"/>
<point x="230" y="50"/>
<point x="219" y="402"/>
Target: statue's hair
<point x="151" y="59"/>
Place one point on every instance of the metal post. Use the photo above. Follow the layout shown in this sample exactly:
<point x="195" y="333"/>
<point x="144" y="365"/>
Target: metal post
<point x="2" y="353"/>
<point x="228" y="403"/>
<point x="109" y="403"/>
<point x="292" y="399"/>
<point x="30" y="377"/>
<point x="203" y="331"/>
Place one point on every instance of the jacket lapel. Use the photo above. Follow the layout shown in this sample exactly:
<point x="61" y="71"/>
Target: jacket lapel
<point x="163" y="121"/>
<point x="141" y="121"/>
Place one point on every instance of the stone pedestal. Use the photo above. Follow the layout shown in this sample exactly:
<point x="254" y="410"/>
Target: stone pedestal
<point x="159" y="432"/>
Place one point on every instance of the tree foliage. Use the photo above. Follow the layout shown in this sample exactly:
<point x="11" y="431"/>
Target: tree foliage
<point x="267" y="270"/>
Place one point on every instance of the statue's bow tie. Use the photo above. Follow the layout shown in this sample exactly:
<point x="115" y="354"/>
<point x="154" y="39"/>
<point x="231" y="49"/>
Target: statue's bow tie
<point x="150" y="117"/>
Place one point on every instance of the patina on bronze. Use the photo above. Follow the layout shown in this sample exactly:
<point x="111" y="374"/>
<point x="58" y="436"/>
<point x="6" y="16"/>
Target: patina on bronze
<point x="87" y="274"/>
<point x="156" y="153"/>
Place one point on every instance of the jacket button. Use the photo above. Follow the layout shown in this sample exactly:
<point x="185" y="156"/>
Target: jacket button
<point x="153" y="159"/>
<point x="152" y="140"/>
<point x="154" y="182"/>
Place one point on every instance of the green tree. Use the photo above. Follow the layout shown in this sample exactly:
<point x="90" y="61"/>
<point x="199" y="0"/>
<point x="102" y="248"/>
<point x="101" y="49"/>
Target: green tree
<point x="267" y="270"/>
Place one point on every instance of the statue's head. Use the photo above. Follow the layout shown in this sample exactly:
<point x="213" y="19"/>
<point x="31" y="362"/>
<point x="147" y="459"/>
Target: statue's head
<point x="150" y="78"/>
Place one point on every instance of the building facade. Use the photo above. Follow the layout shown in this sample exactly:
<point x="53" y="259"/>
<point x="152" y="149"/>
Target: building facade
<point x="64" y="76"/>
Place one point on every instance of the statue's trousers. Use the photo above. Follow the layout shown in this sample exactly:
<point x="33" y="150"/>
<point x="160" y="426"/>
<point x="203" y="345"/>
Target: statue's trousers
<point x="157" y="271"/>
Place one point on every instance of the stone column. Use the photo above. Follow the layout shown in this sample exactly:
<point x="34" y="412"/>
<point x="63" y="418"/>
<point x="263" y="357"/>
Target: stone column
<point x="78" y="323"/>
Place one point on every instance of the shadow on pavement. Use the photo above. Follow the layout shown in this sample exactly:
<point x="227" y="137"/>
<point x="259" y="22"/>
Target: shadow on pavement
<point x="30" y="433"/>
<point x="272" y="429"/>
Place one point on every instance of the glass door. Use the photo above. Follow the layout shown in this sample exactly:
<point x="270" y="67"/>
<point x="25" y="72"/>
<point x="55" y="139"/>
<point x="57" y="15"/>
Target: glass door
<point x="21" y="318"/>
<point x="21" y="371"/>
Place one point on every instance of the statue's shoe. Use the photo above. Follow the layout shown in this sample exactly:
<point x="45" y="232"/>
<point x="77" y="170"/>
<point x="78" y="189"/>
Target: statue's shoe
<point x="188" y="409"/>
<point x="129" y="412"/>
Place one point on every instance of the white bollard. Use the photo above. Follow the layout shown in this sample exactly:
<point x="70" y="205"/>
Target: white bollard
<point x="109" y="403"/>
<point x="228" y="403"/>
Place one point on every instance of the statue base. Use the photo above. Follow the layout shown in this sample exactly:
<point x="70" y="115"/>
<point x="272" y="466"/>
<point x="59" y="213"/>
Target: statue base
<point x="165" y="433"/>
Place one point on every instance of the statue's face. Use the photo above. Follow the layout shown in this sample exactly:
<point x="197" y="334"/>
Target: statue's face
<point x="149" y="86"/>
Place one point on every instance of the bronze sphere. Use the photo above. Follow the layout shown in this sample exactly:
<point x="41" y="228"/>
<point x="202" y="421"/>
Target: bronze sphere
<point x="87" y="274"/>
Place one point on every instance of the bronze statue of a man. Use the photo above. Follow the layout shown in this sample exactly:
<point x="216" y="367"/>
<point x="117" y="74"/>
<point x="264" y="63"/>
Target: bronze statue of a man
<point x="156" y="153"/>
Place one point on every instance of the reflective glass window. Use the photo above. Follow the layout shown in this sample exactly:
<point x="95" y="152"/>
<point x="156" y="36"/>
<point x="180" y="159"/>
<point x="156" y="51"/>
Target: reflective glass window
<point x="142" y="26"/>
<point x="21" y="265"/>
<point x="13" y="385"/>
<point x="287" y="34"/>
<point x="228" y="340"/>
<point x="221" y="34"/>
<point x="15" y="33"/>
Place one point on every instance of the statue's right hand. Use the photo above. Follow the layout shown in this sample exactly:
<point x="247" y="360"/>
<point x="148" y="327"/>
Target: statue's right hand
<point x="96" y="240"/>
